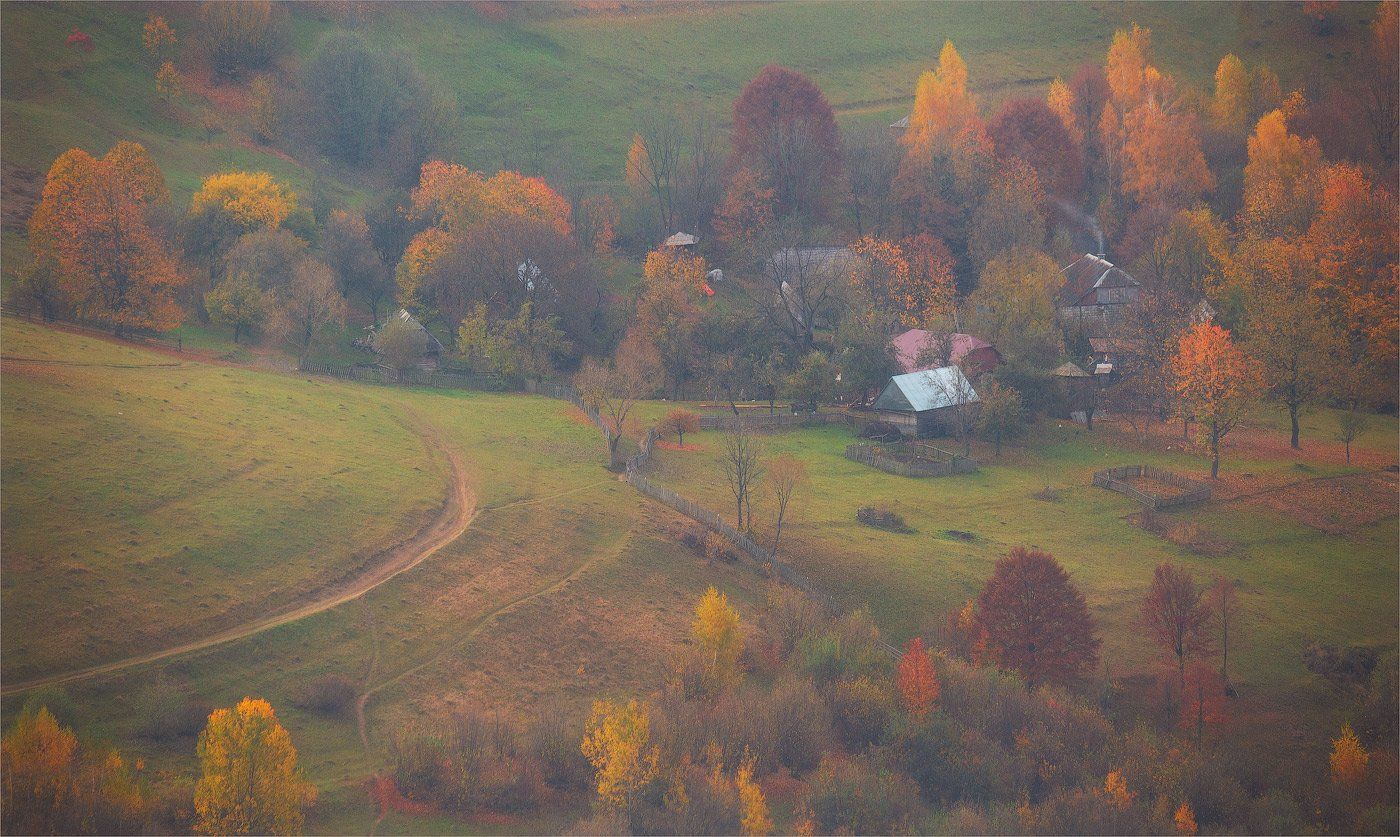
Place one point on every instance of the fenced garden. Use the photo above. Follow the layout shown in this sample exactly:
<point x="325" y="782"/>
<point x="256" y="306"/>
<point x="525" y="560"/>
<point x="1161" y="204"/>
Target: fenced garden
<point x="912" y="458"/>
<point x="1154" y="488"/>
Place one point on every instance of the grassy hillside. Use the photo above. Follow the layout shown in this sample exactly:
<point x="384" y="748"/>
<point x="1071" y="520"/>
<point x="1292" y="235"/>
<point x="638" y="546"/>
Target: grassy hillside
<point x="563" y="92"/>
<point x="566" y="586"/>
<point x="1310" y="542"/>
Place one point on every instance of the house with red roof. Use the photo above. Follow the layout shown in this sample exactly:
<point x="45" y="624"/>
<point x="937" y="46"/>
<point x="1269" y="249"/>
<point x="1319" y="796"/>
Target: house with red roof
<point x="973" y="354"/>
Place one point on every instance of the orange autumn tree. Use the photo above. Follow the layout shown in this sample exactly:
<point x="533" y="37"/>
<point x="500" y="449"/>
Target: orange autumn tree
<point x="916" y="680"/>
<point x="943" y="106"/>
<point x="1230" y="106"/>
<point x="618" y="745"/>
<point x="1348" y="759"/>
<point x="251" y="783"/>
<point x="1215" y="383"/>
<point x="1281" y="179"/>
<point x="93" y="224"/>
<point x="1163" y="164"/>
<point x="746" y="210"/>
<point x="453" y="197"/>
<point x="668" y="311"/>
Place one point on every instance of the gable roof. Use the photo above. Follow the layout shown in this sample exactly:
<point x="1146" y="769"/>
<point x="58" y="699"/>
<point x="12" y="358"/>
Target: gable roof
<point x="908" y="345"/>
<point x="680" y="239"/>
<point x="1069" y="370"/>
<point x="930" y="389"/>
<point x="434" y="345"/>
<point x="806" y="260"/>
<point x="1089" y="273"/>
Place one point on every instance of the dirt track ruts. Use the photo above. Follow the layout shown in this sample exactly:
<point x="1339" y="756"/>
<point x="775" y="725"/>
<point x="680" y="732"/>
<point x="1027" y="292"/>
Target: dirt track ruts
<point x="458" y="511"/>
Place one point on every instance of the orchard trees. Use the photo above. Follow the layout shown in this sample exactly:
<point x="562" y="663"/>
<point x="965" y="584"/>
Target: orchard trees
<point x="1176" y="618"/>
<point x="93" y="226"/>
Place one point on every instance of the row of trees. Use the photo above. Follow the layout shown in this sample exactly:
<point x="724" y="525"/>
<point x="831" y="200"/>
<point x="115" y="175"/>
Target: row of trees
<point x="56" y="783"/>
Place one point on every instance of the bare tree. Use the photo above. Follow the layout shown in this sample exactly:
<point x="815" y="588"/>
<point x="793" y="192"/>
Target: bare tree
<point x="799" y="284"/>
<point x="699" y="183"/>
<point x="614" y="389"/>
<point x="310" y="305"/>
<point x="742" y="468"/>
<point x="1226" y="605"/>
<point x="961" y="404"/>
<point x="872" y="161"/>
<point x="786" y="474"/>
<point x="658" y="167"/>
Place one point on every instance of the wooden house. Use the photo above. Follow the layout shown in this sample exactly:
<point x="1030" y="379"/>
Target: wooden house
<point x="433" y="351"/>
<point x="921" y="403"/>
<point x="1096" y="291"/>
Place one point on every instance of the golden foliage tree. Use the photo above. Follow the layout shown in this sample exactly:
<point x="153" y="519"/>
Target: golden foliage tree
<point x="1127" y="68"/>
<point x="617" y="742"/>
<point x="716" y="633"/>
<point x="1348" y="759"/>
<point x="755" y="820"/>
<point x="250" y="782"/>
<point x="454" y="198"/>
<point x="916" y="680"/>
<point x="1060" y="100"/>
<point x="170" y="84"/>
<point x="943" y="107"/>
<point x="1230" y="107"/>
<point x="157" y="37"/>
<point x="1184" y="820"/>
<point x="1281" y="179"/>
<point x="1216" y="383"/>
<point x="92" y="224"/>
<point x="1163" y="164"/>
<point x="250" y="199"/>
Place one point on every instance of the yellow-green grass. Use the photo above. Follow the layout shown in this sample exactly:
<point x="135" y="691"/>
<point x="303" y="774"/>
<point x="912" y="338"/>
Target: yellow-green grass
<point x="567" y="585"/>
<point x="1297" y="584"/>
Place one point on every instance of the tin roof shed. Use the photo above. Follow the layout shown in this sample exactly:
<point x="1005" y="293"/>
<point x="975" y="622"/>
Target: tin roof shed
<point x="932" y="389"/>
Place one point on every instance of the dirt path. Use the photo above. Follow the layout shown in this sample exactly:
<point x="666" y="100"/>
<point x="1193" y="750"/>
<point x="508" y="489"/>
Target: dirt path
<point x="458" y="511"/>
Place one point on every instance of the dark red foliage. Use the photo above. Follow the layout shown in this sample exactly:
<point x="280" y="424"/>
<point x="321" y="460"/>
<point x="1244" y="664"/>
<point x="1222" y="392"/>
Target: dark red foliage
<point x="1028" y="129"/>
<point x="81" y="40"/>
<point x="1035" y="620"/>
<point x="1175" y="617"/>
<point x="784" y="130"/>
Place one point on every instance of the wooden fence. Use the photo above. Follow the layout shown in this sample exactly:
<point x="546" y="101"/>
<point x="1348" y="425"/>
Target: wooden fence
<point x="1116" y="479"/>
<point x="943" y="463"/>
<point x="775" y="421"/>
<point x="437" y="378"/>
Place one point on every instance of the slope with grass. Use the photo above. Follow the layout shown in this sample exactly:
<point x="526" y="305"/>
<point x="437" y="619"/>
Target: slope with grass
<point x="565" y="587"/>
<point x="1297" y="582"/>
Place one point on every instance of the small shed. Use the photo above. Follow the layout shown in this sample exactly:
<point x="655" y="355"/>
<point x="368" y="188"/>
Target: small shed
<point x="432" y="354"/>
<point x="681" y="239"/>
<point x="1074" y="390"/>
<point x="921" y="403"/>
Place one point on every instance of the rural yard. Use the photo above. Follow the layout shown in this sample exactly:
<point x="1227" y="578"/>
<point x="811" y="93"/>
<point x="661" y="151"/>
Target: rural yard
<point x="581" y="417"/>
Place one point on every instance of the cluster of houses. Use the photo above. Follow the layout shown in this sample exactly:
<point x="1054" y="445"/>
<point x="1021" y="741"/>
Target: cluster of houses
<point x="939" y="371"/>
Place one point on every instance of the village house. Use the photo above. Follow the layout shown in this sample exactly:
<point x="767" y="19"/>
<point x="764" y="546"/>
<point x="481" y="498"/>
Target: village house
<point x="924" y="403"/>
<point x="433" y="351"/>
<point x="1096" y="291"/>
<point x="976" y="356"/>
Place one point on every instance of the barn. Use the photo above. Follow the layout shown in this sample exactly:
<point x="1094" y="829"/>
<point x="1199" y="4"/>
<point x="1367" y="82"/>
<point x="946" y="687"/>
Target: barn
<point x="923" y="403"/>
<point x="973" y="354"/>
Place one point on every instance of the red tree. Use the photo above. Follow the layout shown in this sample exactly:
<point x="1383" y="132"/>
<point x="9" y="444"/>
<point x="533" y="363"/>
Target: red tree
<point x="1175" y="616"/>
<point x="916" y="680"/>
<point x="1203" y="700"/>
<point x="1035" y="620"/>
<point x="785" y="131"/>
<point x="1029" y="129"/>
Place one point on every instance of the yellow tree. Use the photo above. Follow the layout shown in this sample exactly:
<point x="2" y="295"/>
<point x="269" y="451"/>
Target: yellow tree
<point x="251" y="199"/>
<point x="454" y="198"/>
<point x="668" y="312"/>
<point x="1215" y="384"/>
<point x="715" y="631"/>
<point x="1230" y="107"/>
<point x="1281" y="179"/>
<point x="1127" y="67"/>
<point x="251" y="783"/>
<point x="1348" y="760"/>
<point x="1185" y="820"/>
<point x="1163" y="164"/>
<point x="92" y="223"/>
<point x="169" y="83"/>
<point x="157" y="37"/>
<point x="755" y="820"/>
<point x="617" y="742"/>
<point x="1060" y="100"/>
<point x="38" y="756"/>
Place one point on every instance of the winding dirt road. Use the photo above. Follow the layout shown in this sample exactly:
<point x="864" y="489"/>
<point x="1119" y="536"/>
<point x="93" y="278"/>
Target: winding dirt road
<point x="458" y="511"/>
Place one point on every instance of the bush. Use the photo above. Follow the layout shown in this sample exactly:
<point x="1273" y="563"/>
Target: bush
<point x="164" y="710"/>
<point x="854" y="797"/>
<point x="794" y="724"/>
<point x="553" y="741"/>
<point x="1345" y="668"/>
<point x="332" y="694"/>
<point x="882" y="518"/>
<point x="880" y="431"/>
<point x="717" y="548"/>
<point x="862" y="710"/>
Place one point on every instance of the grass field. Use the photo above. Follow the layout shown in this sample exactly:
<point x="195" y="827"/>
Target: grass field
<point x="1310" y="542"/>
<point x="566" y="586"/>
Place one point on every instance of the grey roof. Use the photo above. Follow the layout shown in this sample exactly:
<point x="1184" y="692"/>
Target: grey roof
<point x="433" y="343"/>
<point x="681" y="239"/>
<point x="901" y="124"/>
<point x="1088" y="273"/>
<point x="1069" y="370"/>
<point x="931" y="389"/>
<point x="811" y="259"/>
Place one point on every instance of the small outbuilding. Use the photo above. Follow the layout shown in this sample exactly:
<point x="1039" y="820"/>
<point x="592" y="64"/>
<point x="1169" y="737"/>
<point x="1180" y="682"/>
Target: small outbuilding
<point x="925" y="403"/>
<point x="433" y="351"/>
<point x="681" y="239"/>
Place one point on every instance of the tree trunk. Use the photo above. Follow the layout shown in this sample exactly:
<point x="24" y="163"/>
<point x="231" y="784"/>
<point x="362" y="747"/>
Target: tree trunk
<point x="739" y="510"/>
<point x="1348" y="443"/>
<point x="1214" y="451"/>
<point x="1293" y="422"/>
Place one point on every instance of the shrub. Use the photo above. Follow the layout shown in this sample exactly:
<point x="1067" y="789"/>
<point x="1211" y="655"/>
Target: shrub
<point x="880" y="431"/>
<point x="882" y="517"/>
<point x="401" y="344"/>
<point x="717" y="548"/>
<point x="854" y="797"/>
<point x="794" y="722"/>
<point x="862" y="710"/>
<point x="164" y="710"/>
<point x="332" y="694"/>
<point x="552" y="739"/>
<point x="1345" y="668"/>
